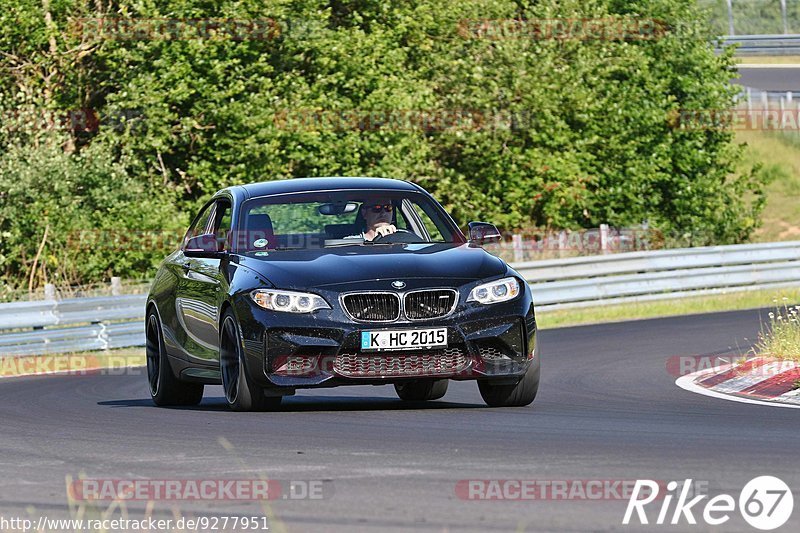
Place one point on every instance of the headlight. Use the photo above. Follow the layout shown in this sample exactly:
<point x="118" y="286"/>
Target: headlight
<point x="494" y="292"/>
<point x="288" y="301"/>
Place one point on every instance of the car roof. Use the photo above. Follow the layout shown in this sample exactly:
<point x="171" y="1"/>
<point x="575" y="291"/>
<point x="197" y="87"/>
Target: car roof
<point x="265" y="188"/>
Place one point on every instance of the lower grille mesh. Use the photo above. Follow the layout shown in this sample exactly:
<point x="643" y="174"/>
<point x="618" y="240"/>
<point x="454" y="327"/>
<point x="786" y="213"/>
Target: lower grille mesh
<point x="433" y="363"/>
<point x="492" y="353"/>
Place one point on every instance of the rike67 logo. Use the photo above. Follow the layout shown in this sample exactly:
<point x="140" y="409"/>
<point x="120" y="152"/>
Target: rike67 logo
<point x="765" y="503"/>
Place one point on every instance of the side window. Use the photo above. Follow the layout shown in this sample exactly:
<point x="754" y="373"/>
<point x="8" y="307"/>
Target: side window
<point x="430" y="226"/>
<point x="401" y="219"/>
<point x="222" y="224"/>
<point x="433" y="230"/>
<point x="200" y="224"/>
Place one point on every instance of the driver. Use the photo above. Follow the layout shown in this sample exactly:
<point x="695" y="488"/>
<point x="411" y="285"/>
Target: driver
<point x="377" y="215"/>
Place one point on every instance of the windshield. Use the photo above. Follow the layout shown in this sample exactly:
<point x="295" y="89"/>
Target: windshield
<point x="342" y="218"/>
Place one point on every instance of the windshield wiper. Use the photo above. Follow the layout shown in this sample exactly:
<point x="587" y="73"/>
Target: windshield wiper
<point x="372" y="243"/>
<point x="338" y="244"/>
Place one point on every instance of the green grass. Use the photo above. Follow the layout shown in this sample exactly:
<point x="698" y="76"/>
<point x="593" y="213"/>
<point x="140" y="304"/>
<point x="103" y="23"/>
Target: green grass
<point x="75" y="363"/>
<point x="781" y="336"/>
<point x="662" y="308"/>
<point x="780" y="155"/>
<point x="768" y="60"/>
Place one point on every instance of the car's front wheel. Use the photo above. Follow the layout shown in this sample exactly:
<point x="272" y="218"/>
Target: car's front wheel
<point x="518" y="395"/>
<point x="241" y="393"/>
<point x="165" y="388"/>
<point x="421" y="391"/>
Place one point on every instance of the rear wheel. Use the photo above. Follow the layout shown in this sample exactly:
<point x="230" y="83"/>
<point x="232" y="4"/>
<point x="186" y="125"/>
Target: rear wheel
<point x="165" y="388"/>
<point x="241" y="393"/>
<point x="420" y="391"/>
<point x="518" y="395"/>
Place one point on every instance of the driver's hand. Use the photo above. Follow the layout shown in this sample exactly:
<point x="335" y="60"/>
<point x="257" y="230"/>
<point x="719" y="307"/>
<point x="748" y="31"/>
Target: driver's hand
<point x="385" y="230"/>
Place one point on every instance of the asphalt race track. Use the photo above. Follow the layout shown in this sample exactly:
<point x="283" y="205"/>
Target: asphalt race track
<point x="608" y="410"/>
<point x="770" y="79"/>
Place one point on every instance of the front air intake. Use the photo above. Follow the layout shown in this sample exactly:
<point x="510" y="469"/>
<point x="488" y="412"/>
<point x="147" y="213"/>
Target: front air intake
<point x="443" y="362"/>
<point x="420" y="305"/>
<point x="372" y="306"/>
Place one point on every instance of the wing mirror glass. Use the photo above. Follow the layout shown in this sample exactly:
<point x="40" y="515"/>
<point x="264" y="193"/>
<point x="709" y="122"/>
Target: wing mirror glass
<point x="483" y="233"/>
<point x="206" y="245"/>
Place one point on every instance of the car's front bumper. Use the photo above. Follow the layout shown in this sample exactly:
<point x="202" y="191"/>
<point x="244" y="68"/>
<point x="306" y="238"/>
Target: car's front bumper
<point x="322" y="349"/>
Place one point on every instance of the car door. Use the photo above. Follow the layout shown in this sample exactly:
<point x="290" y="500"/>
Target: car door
<point x="201" y="289"/>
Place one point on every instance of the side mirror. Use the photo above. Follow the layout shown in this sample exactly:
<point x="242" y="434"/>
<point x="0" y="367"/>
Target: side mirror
<point x="205" y="245"/>
<point x="483" y="232"/>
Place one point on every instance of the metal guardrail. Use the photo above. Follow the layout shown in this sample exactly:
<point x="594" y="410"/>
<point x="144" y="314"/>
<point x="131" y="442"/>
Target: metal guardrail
<point x="556" y="284"/>
<point x="583" y="281"/>
<point x="78" y="339"/>
<point x="42" y="313"/>
<point x="46" y="315"/>
<point x="764" y="44"/>
<point x="682" y="258"/>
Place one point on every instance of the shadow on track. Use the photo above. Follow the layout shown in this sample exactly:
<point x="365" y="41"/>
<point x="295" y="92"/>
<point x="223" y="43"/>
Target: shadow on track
<point x="312" y="403"/>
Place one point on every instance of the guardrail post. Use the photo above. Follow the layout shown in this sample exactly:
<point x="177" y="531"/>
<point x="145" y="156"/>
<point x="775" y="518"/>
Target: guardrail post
<point x="519" y="253"/>
<point x="116" y="286"/>
<point x="749" y="104"/>
<point x="783" y="17"/>
<point x="731" y="29"/>
<point x="103" y="337"/>
<point x="49" y="291"/>
<point x="604" y="238"/>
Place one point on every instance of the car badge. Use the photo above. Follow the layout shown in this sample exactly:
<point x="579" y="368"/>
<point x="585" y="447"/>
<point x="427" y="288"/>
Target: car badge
<point x="398" y="284"/>
<point x="261" y="243"/>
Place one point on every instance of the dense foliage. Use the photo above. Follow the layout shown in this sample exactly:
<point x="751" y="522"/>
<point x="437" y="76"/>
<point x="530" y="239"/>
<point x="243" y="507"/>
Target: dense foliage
<point x="129" y="131"/>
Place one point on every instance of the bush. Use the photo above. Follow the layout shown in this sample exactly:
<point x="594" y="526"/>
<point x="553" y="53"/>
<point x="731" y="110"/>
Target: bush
<point x="586" y="127"/>
<point x="74" y="218"/>
<point x="574" y="132"/>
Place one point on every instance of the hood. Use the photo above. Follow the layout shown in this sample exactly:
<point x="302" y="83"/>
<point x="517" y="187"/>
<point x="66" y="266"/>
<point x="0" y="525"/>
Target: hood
<point x="298" y="269"/>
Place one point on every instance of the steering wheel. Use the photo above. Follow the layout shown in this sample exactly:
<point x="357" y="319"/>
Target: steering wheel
<point x="401" y="235"/>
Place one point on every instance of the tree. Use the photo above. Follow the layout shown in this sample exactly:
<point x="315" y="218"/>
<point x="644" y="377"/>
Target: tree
<point x="522" y="113"/>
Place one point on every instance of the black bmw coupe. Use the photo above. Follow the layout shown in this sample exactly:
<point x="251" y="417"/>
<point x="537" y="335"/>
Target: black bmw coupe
<point x="288" y="284"/>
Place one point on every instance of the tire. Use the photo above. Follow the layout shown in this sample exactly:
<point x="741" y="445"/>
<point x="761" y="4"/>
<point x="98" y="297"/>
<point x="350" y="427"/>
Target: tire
<point x="519" y="395"/>
<point x="421" y="391"/>
<point x="165" y="388"/>
<point x="241" y="393"/>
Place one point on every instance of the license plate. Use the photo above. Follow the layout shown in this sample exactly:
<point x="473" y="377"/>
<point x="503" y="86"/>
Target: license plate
<point x="403" y="339"/>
